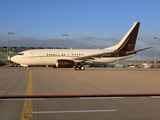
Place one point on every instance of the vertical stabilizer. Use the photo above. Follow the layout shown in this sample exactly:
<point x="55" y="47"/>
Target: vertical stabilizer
<point x="129" y="40"/>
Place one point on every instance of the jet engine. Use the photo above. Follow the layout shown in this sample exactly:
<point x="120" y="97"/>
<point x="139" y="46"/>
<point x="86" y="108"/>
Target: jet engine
<point x="64" y="63"/>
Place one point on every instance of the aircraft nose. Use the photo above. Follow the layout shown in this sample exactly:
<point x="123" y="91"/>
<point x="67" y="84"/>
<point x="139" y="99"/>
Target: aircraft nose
<point x="13" y="59"/>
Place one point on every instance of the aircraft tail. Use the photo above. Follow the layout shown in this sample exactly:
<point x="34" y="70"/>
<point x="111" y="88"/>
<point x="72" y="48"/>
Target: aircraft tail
<point x="129" y="40"/>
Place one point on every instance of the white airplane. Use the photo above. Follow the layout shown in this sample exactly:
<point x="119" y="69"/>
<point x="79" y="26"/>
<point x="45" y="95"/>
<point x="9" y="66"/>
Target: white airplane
<point x="68" y="58"/>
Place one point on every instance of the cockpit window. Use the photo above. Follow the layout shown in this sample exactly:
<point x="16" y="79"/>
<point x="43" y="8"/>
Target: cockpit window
<point x="20" y="53"/>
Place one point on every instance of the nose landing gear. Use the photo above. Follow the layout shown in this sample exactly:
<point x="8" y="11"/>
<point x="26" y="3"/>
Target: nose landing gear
<point x="27" y="68"/>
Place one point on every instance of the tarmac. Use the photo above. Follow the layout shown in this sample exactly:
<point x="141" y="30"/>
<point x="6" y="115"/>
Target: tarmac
<point x="143" y="84"/>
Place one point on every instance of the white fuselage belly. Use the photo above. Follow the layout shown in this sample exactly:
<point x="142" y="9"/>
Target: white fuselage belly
<point x="110" y="59"/>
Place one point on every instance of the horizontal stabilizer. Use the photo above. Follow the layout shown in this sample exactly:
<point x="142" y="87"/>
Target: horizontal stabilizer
<point x="135" y="51"/>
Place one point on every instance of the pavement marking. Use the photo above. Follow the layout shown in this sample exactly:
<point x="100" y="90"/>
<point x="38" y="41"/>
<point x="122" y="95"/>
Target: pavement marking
<point x="90" y="98"/>
<point x="28" y="104"/>
<point x="24" y="99"/>
<point x="73" y="111"/>
<point x="155" y="96"/>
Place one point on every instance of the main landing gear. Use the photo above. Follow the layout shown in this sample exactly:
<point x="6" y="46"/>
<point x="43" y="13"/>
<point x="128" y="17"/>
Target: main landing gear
<point x="79" y="67"/>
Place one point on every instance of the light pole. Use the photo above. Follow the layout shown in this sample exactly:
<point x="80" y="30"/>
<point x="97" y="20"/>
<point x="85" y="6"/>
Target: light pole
<point x="155" y="53"/>
<point x="12" y="43"/>
<point x="12" y="47"/>
<point x="66" y="41"/>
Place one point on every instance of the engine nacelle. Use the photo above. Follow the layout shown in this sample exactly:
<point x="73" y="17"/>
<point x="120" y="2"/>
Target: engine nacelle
<point x="64" y="63"/>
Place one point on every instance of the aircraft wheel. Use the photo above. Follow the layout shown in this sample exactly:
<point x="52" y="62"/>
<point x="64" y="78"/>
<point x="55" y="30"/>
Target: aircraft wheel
<point x="27" y="68"/>
<point x="76" y="68"/>
<point x="82" y="68"/>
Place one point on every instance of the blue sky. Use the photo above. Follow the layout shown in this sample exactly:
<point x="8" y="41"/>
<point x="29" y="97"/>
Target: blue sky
<point x="88" y="23"/>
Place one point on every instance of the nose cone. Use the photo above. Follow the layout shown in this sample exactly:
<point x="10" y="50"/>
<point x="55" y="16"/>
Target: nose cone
<point x="13" y="59"/>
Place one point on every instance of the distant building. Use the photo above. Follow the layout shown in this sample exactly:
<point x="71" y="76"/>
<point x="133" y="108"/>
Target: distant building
<point x="140" y="63"/>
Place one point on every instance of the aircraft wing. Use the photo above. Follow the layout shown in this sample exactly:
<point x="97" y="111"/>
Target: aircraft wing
<point x="89" y="57"/>
<point x="134" y="51"/>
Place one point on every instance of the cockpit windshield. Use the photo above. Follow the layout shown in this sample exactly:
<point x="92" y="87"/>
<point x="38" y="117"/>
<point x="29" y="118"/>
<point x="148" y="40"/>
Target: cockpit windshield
<point x="20" y="53"/>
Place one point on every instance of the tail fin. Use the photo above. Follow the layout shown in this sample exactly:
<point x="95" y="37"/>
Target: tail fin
<point x="129" y="40"/>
